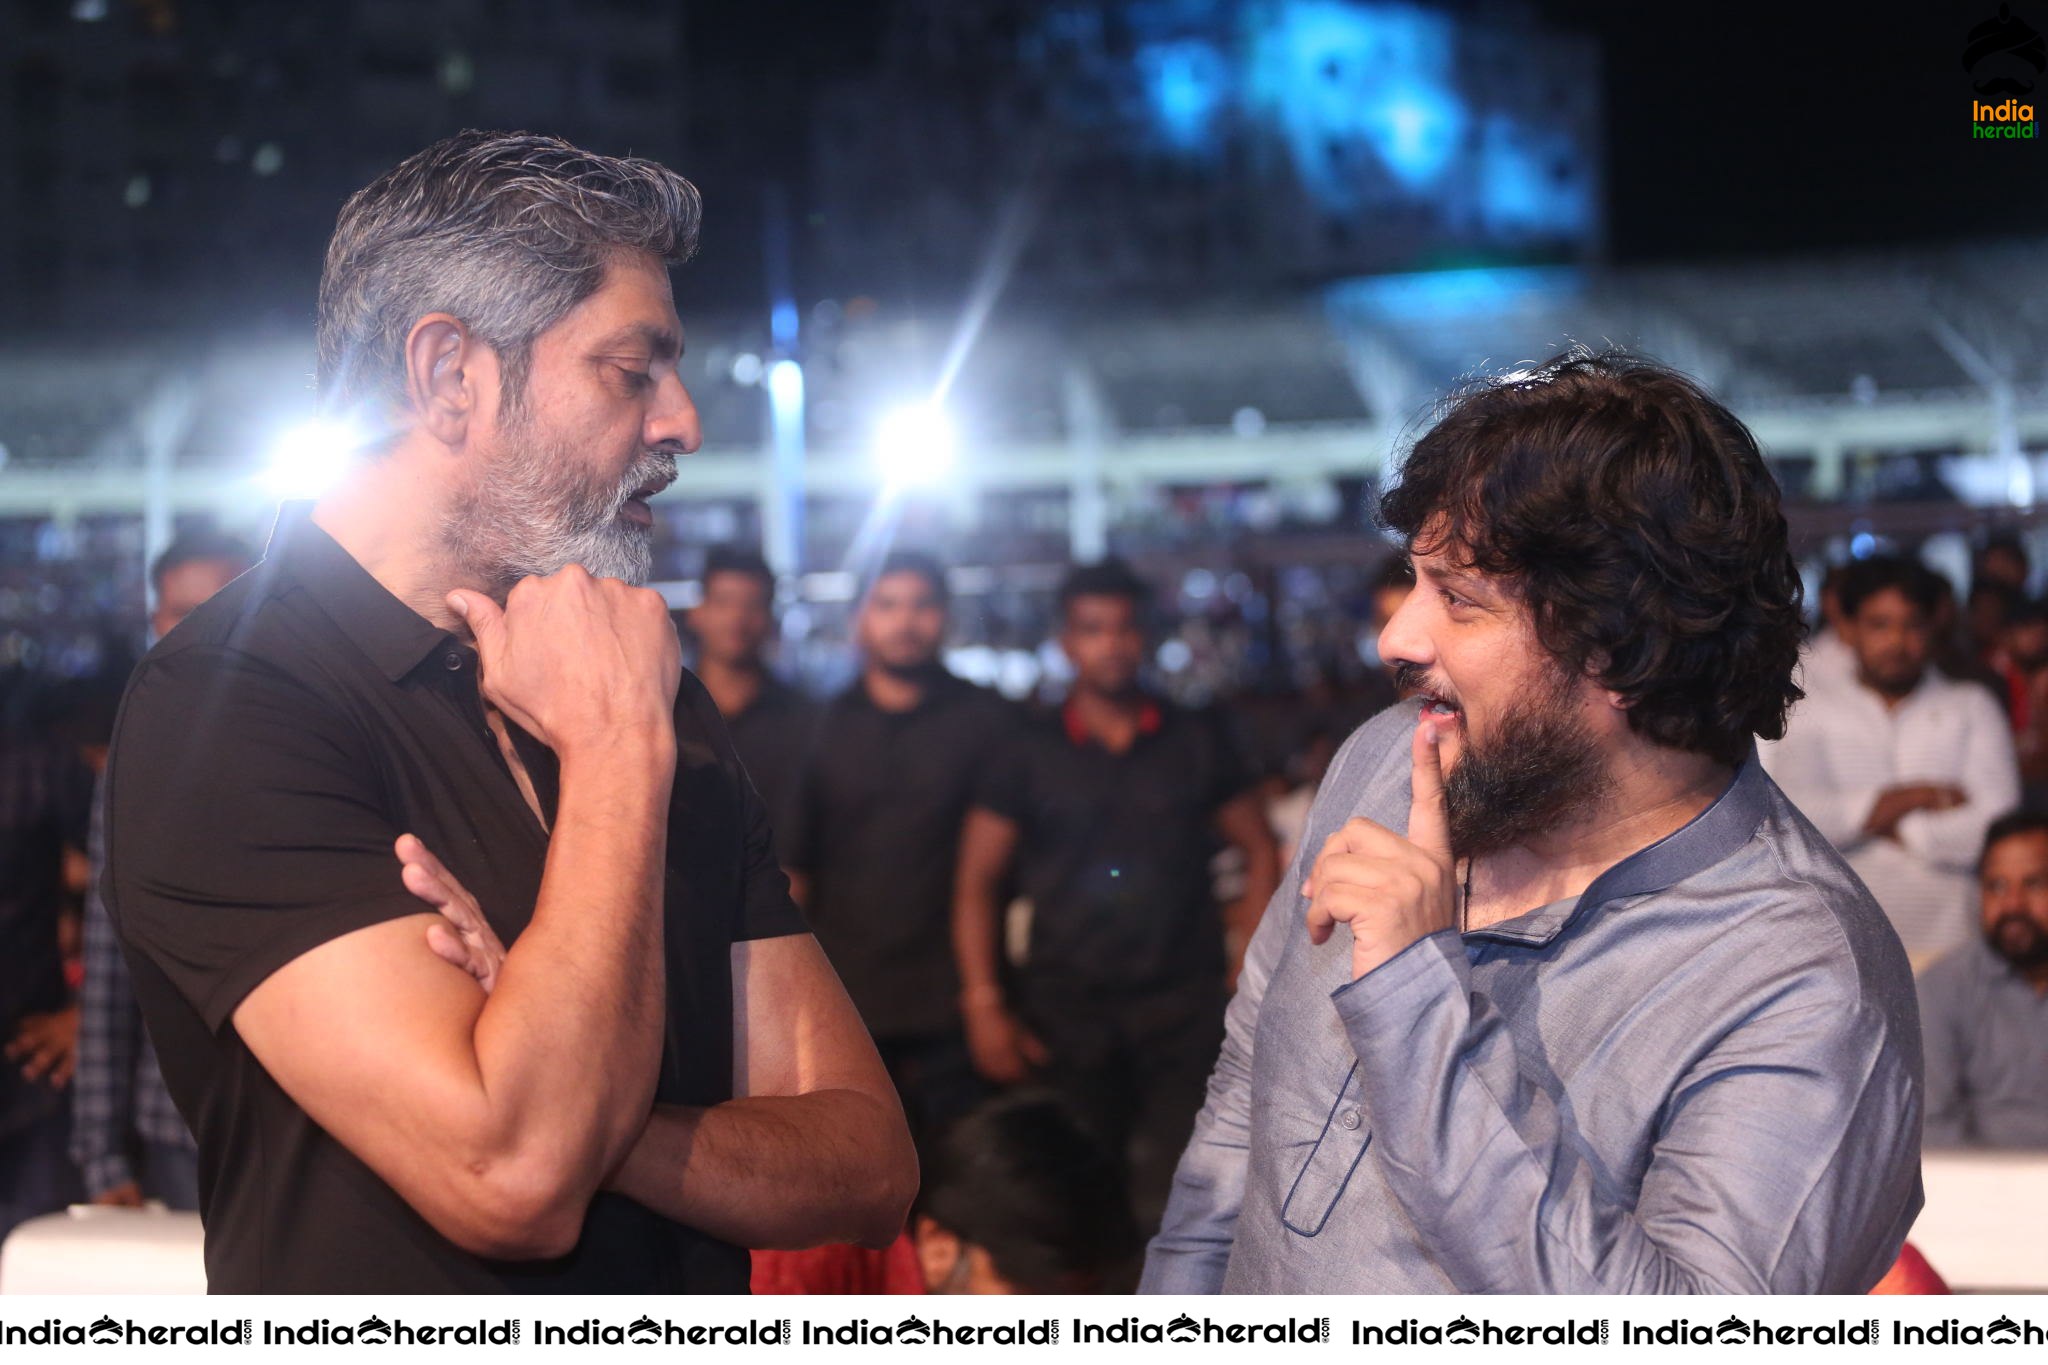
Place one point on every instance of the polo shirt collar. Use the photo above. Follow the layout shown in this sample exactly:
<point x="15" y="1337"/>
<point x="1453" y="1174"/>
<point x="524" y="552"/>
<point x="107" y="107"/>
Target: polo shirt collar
<point x="1712" y="835"/>
<point x="396" y="638"/>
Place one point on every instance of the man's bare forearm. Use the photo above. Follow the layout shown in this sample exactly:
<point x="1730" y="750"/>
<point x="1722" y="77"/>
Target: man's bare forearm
<point x="569" y="1043"/>
<point x="775" y="1171"/>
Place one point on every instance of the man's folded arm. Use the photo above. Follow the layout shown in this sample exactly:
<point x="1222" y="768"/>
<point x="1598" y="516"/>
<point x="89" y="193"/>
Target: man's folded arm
<point x="814" y="1149"/>
<point x="269" y="893"/>
<point x="1990" y="778"/>
<point x="1786" y="1161"/>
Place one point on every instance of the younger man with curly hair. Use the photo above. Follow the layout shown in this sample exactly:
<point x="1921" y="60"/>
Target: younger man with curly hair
<point x="1562" y="994"/>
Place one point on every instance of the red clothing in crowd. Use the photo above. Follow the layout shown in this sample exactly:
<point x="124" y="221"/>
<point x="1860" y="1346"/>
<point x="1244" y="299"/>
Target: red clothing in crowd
<point x="1910" y="1274"/>
<point x="840" y="1270"/>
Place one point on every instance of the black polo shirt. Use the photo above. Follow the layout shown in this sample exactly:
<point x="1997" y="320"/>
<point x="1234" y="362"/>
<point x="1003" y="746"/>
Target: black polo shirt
<point x="773" y="737"/>
<point x="876" y="829"/>
<point x="1113" y="849"/>
<point x="268" y="753"/>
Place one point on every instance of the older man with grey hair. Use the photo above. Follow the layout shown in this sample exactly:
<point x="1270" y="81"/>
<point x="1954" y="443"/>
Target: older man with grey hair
<point x="447" y="656"/>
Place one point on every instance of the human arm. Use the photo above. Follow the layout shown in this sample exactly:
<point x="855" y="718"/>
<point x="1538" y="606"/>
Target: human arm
<point x="1192" y="1249"/>
<point x="264" y="889"/>
<point x="1894" y="804"/>
<point x="45" y="1046"/>
<point x="1003" y="1049"/>
<point x="814" y="1149"/>
<point x="1987" y="770"/>
<point x="498" y="1128"/>
<point x="1785" y="1156"/>
<point x="1786" y="1161"/>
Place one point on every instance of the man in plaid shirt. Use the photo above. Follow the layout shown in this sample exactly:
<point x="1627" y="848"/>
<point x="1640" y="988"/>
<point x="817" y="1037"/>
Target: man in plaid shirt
<point x="127" y="1137"/>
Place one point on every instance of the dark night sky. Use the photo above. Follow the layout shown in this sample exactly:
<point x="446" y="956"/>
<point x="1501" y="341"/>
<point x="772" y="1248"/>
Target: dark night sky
<point x="1735" y="128"/>
<point x="1740" y="127"/>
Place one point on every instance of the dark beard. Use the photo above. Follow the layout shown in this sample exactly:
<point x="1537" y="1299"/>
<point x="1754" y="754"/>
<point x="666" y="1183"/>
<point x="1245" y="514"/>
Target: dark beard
<point x="2019" y="940"/>
<point x="1536" y="771"/>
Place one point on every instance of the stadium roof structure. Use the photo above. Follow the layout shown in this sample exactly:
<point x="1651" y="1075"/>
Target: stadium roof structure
<point x="1931" y="351"/>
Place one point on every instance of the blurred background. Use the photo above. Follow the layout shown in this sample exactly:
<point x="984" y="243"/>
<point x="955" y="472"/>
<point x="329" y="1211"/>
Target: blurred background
<point x="1023" y="282"/>
<point x="1027" y="284"/>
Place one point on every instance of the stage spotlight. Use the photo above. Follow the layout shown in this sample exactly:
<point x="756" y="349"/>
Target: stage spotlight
<point x="310" y="458"/>
<point x="914" y="445"/>
<point x="786" y="387"/>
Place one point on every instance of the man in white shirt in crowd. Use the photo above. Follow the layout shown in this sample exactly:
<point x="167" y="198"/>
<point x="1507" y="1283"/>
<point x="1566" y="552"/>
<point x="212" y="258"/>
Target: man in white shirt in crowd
<point x="1905" y="769"/>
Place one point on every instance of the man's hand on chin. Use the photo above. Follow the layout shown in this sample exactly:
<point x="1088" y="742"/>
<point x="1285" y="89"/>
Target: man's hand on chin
<point x="1390" y="890"/>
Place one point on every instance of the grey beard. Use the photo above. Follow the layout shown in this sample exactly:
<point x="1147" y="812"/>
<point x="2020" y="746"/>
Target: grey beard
<point x="528" y="515"/>
<point x="1538" y="770"/>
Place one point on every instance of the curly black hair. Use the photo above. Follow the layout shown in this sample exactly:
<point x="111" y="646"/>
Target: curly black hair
<point x="1635" y="516"/>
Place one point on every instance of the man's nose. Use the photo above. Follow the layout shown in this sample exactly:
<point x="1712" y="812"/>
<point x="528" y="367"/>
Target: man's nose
<point x="673" y="421"/>
<point x="1402" y="639"/>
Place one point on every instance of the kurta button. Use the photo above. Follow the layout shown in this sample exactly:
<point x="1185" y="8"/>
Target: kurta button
<point x="1348" y="1120"/>
<point x="452" y="661"/>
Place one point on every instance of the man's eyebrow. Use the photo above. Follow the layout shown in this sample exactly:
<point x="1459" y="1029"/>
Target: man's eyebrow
<point x="1460" y="577"/>
<point x="662" y="343"/>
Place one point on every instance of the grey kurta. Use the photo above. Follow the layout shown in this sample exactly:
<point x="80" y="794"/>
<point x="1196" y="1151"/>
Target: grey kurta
<point x="1702" y="1075"/>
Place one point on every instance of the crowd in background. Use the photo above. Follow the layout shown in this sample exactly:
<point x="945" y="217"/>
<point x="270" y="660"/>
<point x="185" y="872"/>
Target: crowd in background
<point x="1039" y="907"/>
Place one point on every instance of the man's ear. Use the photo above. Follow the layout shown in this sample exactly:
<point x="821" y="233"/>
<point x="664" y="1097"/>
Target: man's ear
<point x="1596" y="667"/>
<point x="938" y="1252"/>
<point x="442" y="376"/>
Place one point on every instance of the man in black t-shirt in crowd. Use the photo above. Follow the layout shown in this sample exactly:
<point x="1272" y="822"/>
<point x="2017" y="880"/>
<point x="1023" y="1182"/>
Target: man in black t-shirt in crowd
<point x="770" y="722"/>
<point x="876" y="828"/>
<point x="445" y="654"/>
<point x="1107" y="812"/>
